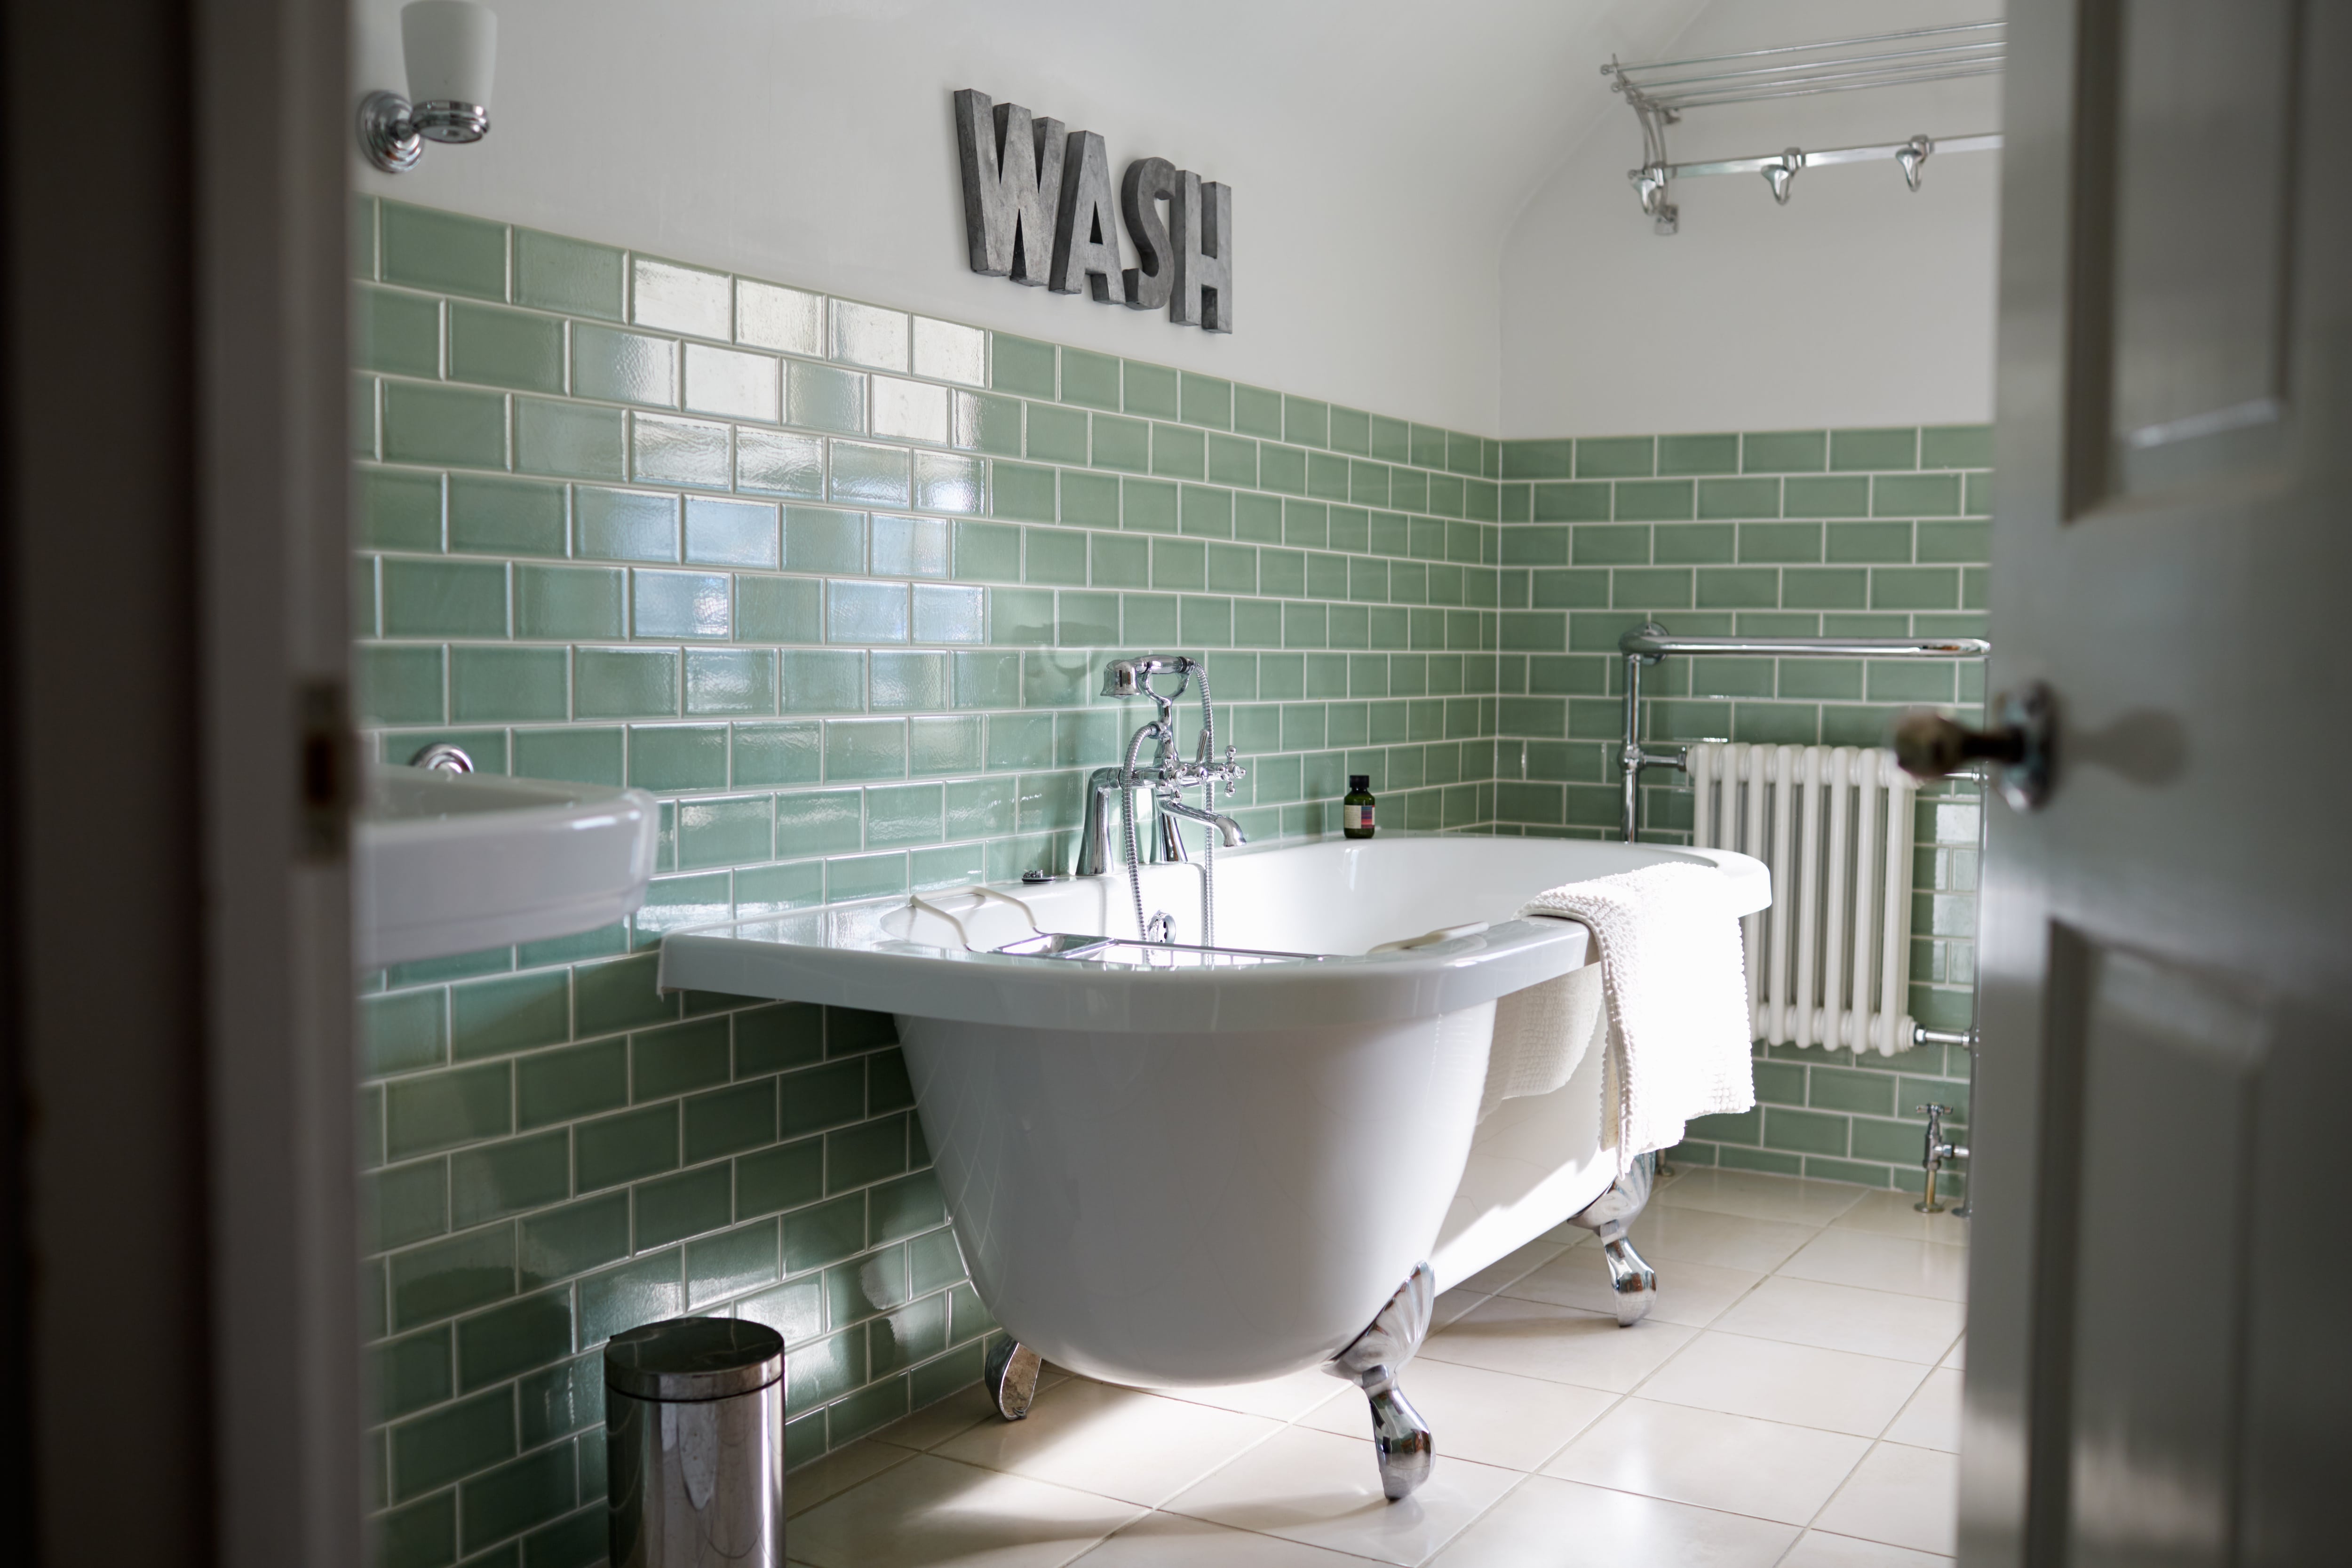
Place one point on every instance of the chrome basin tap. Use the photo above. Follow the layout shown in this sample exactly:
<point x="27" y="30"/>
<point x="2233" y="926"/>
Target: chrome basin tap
<point x="1166" y="777"/>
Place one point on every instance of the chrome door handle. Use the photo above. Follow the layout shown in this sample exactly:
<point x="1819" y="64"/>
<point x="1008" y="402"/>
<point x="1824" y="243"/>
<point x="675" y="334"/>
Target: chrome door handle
<point x="2019" y="745"/>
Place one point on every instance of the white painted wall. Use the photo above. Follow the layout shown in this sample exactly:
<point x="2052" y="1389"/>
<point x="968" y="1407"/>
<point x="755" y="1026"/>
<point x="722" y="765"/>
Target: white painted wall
<point x="1858" y="303"/>
<point x="1378" y="152"/>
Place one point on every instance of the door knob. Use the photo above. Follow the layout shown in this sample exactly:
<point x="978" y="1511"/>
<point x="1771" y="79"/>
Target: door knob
<point x="2019" y="745"/>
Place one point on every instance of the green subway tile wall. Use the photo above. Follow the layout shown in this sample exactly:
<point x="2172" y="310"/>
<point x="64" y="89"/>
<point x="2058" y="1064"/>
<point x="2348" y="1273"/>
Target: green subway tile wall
<point x="1876" y="532"/>
<point x="833" y="581"/>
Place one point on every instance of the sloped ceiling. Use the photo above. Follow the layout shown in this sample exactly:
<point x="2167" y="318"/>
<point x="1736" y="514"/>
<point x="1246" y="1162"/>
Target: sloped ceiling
<point x="1379" y="152"/>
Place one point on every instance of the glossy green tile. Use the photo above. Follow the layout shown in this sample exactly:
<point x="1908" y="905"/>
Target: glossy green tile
<point x="625" y="1148"/>
<point x="881" y="476"/>
<point x="578" y="755"/>
<point x="677" y="757"/>
<point x="398" y="510"/>
<point x="1148" y="506"/>
<point x="624" y="683"/>
<point x="770" y="754"/>
<point x="451" y="424"/>
<point x="679" y="605"/>
<point x="1148" y="389"/>
<point x="402" y="1033"/>
<point x="1092" y="379"/>
<point x="396" y="333"/>
<point x="498" y="347"/>
<point x="819" y="822"/>
<point x="621" y="995"/>
<point x="1123" y="443"/>
<point x="1178" y="453"/>
<point x="408" y="1374"/>
<point x="406" y="1204"/>
<point x="552" y="273"/>
<point x="1021" y="365"/>
<point x="730" y="680"/>
<point x="443" y="252"/>
<point x="980" y="422"/>
<point x="812" y="680"/>
<point x="724" y="832"/>
<point x="1915" y="495"/>
<point x="500" y="1180"/>
<point x="1616" y="458"/>
<point x="442" y="1110"/>
<point x="778" y="463"/>
<point x="665" y="450"/>
<point x="572" y="440"/>
<point x="1914" y="588"/>
<point x="670" y="297"/>
<point x="865" y="613"/>
<point x="1852" y="450"/>
<point x="645" y="1290"/>
<point x="1784" y="452"/>
<point x="1868" y="541"/>
<point x="862" y="749"/>
<point x="908" y="682"/>
<point x="513" y="1013"/>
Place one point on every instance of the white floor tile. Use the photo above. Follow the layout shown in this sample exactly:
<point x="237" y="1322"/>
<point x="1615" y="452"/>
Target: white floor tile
<point x="1878" y="1262"/>
<point x="1691" y="1294"/>
<point x="1753" y="1194"/>
<point x="929" y="1512"/>
<point x="1932" y="1419"/>
<point x="1891" y="1214"/>
<point x="1902" y="1496"/>
<point x="1172" y="1541"/>
<point x="1959" y="1356"/>
<point x="1277" y="1398"/>
<point x="1535" y="1338"/>
<point x="821" y="1480"/>
<point x="1844" y="1318"/>
<point x="1513" y="1266"/>
<point x="935" y="1424"/>
<point x="1452" y="1304"/>
<point x="1115" y="1442"/>
<point x="1820" y="1548"/>
<point x="1488" y="1417"/>
<point x="1705" y="1457"/>
<point x="1322" y="1490"/>
<point x="1836" y="1391"/>
<point x="1549" y="1523"/>
<point x="1724" y="1241"/>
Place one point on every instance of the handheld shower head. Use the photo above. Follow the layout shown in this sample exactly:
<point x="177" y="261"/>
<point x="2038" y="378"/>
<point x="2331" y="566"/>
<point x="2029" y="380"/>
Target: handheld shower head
<point x="1132" y="677"/>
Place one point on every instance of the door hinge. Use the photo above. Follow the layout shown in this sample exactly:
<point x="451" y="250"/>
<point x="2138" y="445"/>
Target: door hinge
<point x="327" y="763"/>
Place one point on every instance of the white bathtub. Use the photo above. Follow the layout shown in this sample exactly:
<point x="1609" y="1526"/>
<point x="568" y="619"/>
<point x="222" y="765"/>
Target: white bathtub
<point x="1212" y="1175"/>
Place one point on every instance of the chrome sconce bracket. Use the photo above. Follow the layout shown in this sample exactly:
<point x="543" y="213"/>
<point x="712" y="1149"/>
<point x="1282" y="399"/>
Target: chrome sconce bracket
<point x="450" y="48"/>
<point x="393" y="130"/>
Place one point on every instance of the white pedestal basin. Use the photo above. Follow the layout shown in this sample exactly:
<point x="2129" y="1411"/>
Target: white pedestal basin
<point x="448" y="863"/>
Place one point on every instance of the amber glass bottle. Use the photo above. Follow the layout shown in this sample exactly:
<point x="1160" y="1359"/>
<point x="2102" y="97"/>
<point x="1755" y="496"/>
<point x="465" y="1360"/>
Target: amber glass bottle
<point x="1355" y="809"/>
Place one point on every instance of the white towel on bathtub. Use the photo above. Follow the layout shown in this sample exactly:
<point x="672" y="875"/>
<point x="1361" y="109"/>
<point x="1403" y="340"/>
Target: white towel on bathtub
<point x="1676" y="986"/>
<point x="1542" y="1036"/>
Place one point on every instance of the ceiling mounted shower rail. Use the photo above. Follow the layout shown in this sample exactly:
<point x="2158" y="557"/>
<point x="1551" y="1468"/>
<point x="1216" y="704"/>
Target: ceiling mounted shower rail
<point x="1660" y="91"/>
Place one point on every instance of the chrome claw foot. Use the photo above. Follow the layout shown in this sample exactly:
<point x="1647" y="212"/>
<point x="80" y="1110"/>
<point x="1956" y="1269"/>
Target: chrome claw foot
<point x="1400" y="1437"/>
<point x="1011" y="1378"/>
<point x="1634" y="1281"/>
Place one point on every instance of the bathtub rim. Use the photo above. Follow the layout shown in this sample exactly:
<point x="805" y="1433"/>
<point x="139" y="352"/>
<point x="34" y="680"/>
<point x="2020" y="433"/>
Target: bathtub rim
<point x="920" y="980"/>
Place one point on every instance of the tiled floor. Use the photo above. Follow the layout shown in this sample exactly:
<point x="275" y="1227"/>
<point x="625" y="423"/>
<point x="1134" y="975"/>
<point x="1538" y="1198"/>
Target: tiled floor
<point x="1793" y="1399"/>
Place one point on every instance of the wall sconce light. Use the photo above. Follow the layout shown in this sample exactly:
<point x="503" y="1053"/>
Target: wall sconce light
<point x="451" y="48"/>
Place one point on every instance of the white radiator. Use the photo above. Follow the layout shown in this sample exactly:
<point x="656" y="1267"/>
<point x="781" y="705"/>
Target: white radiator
<point x="1830" y="962"/>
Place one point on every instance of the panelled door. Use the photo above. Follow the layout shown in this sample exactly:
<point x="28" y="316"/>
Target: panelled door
<point x="2160" y="1340"/>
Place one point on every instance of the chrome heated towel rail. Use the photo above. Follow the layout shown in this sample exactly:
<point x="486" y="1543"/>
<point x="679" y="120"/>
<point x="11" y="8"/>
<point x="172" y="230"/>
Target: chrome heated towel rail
<point x="1836" y="976"/>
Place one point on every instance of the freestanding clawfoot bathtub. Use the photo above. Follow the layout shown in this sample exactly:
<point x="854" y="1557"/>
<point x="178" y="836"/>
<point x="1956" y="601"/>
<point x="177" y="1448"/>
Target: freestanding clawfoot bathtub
<point x="1168" y="1167"/>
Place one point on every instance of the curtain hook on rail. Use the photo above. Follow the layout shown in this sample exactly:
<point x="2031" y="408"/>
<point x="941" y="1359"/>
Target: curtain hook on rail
<point x="1912" y="154"/>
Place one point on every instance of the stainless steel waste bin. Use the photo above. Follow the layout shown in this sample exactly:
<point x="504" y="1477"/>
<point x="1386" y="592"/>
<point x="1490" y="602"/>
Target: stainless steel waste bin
<point x="693" y="1438"/>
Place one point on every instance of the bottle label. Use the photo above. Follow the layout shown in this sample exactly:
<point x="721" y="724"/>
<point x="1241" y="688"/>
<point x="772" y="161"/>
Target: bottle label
<point x="1357" y="817"/>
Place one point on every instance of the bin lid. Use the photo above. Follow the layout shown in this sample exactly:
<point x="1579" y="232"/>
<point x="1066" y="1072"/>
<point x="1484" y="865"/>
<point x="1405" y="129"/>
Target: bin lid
<point x="693" y="1358"/>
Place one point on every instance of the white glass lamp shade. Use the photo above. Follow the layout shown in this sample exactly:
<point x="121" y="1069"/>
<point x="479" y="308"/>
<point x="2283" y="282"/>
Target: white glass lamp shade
<point x="452" y="48"/>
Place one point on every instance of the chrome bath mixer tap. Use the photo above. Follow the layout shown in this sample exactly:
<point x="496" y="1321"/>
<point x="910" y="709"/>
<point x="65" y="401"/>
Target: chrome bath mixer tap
<point x="1166" y="777"/>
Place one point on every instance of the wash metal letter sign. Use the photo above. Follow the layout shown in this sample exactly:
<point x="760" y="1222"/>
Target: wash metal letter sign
<point x="1037" y="209"/>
